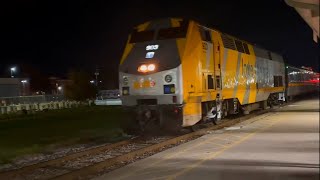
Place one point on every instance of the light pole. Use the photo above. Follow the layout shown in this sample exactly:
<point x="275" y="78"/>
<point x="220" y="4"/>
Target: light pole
<point x="23" y="87"/>
<point x="59" y="89"/>
<point x="97" y="74"/>
<point x="12" y="70"/>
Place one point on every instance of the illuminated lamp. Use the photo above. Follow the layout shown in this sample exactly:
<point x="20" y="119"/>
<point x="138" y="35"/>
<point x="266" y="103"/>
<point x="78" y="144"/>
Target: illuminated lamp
<point x="151" y="67"/>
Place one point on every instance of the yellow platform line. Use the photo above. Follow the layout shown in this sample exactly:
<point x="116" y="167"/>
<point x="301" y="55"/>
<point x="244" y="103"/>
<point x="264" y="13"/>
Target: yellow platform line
<point x="217" y="153"/>
<point x="225" y="134"/>
<point x="213" y="143"/>
<point x="171" y="156"/>
<point x="234" y="136"/>
<point x="224" y="140"/>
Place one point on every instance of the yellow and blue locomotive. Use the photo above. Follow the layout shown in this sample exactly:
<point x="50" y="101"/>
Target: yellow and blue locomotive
<point x="176" y="73"/>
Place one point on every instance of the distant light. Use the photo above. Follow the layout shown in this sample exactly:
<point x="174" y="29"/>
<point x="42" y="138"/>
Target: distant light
<point x="59" y="88"/>
<point x="13" y="69"/>
<point x="100" y="81"/>
<point x="24" y="81"/>
<point x="92" y="81"/>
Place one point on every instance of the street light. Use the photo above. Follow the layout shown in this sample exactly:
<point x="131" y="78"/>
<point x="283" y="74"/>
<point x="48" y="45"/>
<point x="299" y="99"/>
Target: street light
<point x="59" y="89"/>
<point x="23" y="87"/>
<point x="97" y="74"/>
<point x="12" y="70"/>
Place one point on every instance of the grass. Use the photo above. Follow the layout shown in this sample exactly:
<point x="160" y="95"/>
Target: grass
<point x="33" y="133"/>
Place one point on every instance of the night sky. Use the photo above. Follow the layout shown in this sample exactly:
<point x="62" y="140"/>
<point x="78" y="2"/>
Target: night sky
<point x="58" y="35"/>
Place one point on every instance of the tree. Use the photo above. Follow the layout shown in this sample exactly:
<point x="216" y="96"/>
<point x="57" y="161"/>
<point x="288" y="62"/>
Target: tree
<point x="39" y="81"/>
<point x="80" y="87"/>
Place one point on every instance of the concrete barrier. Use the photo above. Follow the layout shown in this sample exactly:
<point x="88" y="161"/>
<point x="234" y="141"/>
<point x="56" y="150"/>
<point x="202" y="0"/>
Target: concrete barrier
<point x="51" y="105"/>
<point x="61" y="105"/>
<point x="56" y="105"/>
<point x="41" y="106"/>
<point x="14" y="109"/>
<point x="32" y="108"/>
<point x="3" y="109"/>
<point x="19" y="107"/>
<point x="36" y="107"/>
<point x="9" y="109"/>
<point x="27" y="107"/>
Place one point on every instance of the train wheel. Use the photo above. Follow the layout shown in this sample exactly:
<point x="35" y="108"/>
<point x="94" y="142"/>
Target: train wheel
<point x="214" y="121"/>
<point x="194" y="128"/>
<point x="151" y="127"/>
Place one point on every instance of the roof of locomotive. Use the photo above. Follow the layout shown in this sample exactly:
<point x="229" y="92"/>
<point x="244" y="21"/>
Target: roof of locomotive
<point x="163" y="21"/>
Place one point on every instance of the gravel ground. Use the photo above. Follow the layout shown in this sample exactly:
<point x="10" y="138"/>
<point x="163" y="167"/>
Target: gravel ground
<point x="40" y="157"/>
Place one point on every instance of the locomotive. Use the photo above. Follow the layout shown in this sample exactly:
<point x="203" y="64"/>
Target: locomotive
<point x="176" y="73"/>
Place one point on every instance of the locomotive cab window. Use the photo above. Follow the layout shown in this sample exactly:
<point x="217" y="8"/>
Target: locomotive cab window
<point x="172" y="33"/>
<point x="142" y="36"/>
<point x="205" y="34"/>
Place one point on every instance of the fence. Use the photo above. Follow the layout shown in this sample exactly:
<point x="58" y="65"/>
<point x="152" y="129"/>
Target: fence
<point x="5" y="101"/>
<point x="34" y="107"/>
<point x="108" y="102"/>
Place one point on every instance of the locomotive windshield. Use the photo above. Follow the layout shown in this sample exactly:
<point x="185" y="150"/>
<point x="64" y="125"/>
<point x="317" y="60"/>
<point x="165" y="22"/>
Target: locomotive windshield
<point x="172" y="33"/>
<point x="142" y="36"/>
<point x="167" y="33"/>
<point x="156" y="45"/>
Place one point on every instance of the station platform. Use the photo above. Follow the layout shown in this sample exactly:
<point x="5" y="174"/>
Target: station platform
<point x="283" y="144"/>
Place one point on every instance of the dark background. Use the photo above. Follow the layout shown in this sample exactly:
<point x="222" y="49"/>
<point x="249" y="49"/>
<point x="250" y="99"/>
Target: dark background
<point x="49" y="38"/>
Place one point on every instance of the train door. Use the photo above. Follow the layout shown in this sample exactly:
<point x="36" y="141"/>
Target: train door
<point x="208" y="63"/>
<point x="217" y="67"/>
<point x="218" y="80"/>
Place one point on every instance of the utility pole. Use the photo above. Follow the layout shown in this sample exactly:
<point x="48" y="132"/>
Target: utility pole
<point x="97" y="74"/>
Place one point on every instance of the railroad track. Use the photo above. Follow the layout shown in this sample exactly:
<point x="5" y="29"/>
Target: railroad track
<point x="92" y="162"/>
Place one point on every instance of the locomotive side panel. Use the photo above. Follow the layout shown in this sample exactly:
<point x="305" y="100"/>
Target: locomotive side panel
<point x="191" y="72"/>
<point x="230" y="69"/>
<point x="270" y="74"/>
<point x="238" y="70"/>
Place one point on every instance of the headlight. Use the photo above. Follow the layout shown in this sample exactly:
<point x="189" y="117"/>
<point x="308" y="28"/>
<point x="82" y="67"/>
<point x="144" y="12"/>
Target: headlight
<point x="146" y="68"/>
<point x="151" y="67"/>
<point x="168" y="78"/>
<point x="143" y="68"/>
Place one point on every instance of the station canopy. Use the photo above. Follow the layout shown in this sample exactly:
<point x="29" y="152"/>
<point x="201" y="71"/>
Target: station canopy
<point x="309" y="11"/>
